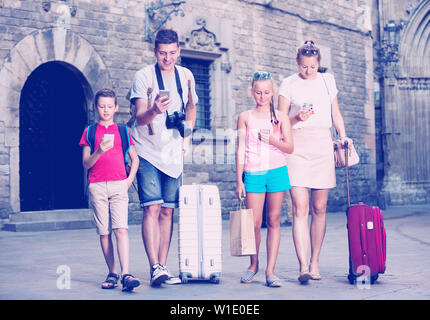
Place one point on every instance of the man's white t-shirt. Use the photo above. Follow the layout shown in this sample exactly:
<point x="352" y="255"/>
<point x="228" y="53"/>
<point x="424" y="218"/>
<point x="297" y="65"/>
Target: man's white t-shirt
<point x="163" y="149"/>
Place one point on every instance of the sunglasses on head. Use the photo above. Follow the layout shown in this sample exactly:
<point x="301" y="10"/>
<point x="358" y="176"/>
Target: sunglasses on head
<point x="261" y="75"/>
<point x="309" y="52"/>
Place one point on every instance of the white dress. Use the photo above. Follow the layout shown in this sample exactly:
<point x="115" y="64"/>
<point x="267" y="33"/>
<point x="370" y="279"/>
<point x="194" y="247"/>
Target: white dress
<point x="311" y="164"/>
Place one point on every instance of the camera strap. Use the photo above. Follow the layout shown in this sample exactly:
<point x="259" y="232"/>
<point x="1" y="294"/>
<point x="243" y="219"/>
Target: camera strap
<point x="178" y="83"/>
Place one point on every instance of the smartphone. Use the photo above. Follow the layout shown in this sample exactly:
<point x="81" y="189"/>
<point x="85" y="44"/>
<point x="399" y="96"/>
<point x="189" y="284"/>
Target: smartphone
<point x="109" y="137"/>
<point x="307" y="106"/>
<point x="266" y="131"/>
<point x="164" y="93"/>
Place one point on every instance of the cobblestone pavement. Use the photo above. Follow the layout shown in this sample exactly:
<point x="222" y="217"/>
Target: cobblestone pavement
<point x="33" y="265"/>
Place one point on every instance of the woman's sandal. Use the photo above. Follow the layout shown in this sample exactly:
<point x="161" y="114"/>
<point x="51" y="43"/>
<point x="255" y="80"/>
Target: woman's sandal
<point x="111" y="281"/>
<point x="315" y="276"/>
<point x="273" y="281"/>
<point x="129" y="282"/>
<point x="304" y="277"/>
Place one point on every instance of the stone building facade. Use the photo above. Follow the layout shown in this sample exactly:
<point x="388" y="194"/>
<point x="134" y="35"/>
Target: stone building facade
<point x="54" y="55"/>
<point x="402" y="76"/>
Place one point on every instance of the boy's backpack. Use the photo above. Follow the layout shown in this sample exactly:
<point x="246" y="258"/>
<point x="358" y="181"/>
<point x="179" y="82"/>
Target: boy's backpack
<point x="125" y="141"/>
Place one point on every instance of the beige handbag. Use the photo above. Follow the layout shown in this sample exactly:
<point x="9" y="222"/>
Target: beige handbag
<point x="242" y="236"/>
<point x="343" y="157"/>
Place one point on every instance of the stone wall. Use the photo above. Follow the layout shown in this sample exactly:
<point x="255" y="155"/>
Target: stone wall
<point x="261" y="35"/>
<point x="403" y="73"/>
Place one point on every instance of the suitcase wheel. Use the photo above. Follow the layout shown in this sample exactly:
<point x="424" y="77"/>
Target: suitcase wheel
<point x="184" y="277"/>
<point x="373" y="278"/>
<point x="215" y="278"/>
<point x="352" y="279"/>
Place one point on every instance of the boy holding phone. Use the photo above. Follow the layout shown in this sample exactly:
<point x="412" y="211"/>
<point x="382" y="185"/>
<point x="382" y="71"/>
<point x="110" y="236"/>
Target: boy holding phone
<point x="108" y="187"/>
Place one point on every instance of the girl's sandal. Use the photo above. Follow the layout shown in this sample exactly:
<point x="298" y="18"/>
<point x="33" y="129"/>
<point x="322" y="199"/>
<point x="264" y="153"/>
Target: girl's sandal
<point x="129" y="282"/>
<point x="111" y="281"/>
<point x="248" y="276"/>
<point x="273" y="281"/>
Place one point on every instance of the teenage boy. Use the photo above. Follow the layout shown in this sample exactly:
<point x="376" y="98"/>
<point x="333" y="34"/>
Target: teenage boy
<point x="108" y="187"/>
<point x="160" y="147"/>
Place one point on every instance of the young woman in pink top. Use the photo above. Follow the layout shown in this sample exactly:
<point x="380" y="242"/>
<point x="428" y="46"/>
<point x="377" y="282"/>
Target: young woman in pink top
<point x="264" y="136"/>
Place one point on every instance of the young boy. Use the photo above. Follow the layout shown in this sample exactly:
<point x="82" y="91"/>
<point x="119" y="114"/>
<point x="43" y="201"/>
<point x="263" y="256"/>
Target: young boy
<point x="108" y="187"/>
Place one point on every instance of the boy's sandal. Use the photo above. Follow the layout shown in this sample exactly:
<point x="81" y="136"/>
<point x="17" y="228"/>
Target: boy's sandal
<point x="273" y="281"/>
<point x="248" y="276"/>
<point x="111" y="281"/>
<point x="129" y="282"/>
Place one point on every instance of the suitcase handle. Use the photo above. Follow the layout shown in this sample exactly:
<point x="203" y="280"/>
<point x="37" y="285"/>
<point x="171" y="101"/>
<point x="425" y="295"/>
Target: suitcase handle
<point x="347" y="174"/>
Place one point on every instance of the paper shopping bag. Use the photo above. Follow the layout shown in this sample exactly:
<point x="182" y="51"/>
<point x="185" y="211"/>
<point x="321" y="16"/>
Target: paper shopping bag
<point x="242" y="237"/>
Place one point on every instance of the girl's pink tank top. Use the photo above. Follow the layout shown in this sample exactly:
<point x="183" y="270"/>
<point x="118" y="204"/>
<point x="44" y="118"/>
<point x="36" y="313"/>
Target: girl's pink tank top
<point x="260" y="156"/>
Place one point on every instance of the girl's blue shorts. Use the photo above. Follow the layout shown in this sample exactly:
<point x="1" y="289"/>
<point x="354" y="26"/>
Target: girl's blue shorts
<point x="274" y="180"/>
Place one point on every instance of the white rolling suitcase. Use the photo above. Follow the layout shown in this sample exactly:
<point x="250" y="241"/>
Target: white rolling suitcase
<point x="200" y="232"/>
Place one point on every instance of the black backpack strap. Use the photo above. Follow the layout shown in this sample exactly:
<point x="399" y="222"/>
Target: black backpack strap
<point x="159" y="77"/>
<point x="178" y="82"/>
<point x="125" y="141"/>
<point x="179" y="87"/>
<point x="91" y="136"/>
<point x="123" y="132"/>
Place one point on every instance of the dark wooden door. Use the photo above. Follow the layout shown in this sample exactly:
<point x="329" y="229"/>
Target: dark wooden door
<point x="52" y="117"/>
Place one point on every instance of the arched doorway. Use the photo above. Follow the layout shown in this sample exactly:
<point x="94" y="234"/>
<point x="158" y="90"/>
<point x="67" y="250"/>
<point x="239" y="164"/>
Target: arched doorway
<point x="54" y="45"/>
<point x="53" y="112"/>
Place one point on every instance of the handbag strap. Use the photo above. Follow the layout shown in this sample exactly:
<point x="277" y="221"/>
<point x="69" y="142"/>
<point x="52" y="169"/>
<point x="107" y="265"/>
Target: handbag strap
<point x="345" y="146"/>
<point x="333" y="136"/>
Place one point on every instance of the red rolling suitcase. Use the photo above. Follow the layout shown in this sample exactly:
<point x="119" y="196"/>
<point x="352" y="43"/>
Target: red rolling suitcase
<point x="366" y="238"/>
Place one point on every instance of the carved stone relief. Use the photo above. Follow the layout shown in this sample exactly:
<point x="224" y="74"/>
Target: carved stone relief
<point x="202" y="38"/>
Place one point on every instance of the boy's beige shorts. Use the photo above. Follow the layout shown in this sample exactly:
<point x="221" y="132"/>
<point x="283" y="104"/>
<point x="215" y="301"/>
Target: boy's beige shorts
<point x="109" y="200"/>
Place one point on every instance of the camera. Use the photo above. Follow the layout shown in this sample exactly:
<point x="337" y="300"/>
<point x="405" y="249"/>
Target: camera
<point x="177" y="120"/>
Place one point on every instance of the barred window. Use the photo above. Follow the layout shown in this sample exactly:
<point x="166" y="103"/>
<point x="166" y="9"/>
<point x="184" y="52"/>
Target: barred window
<point x="201" y="71"/>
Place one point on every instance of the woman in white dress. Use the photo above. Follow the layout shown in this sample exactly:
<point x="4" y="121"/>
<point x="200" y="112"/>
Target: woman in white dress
<point x="309" y="98"/>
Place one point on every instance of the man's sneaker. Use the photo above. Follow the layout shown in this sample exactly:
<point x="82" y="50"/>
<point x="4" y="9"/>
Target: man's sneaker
<point x="158" y="276"/>
<point x="171" y="278"/>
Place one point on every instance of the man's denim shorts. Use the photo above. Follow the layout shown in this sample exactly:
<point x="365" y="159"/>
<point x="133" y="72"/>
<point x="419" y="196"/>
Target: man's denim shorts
<point x="274" y="180"/>
<point x="155" y="187"/>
